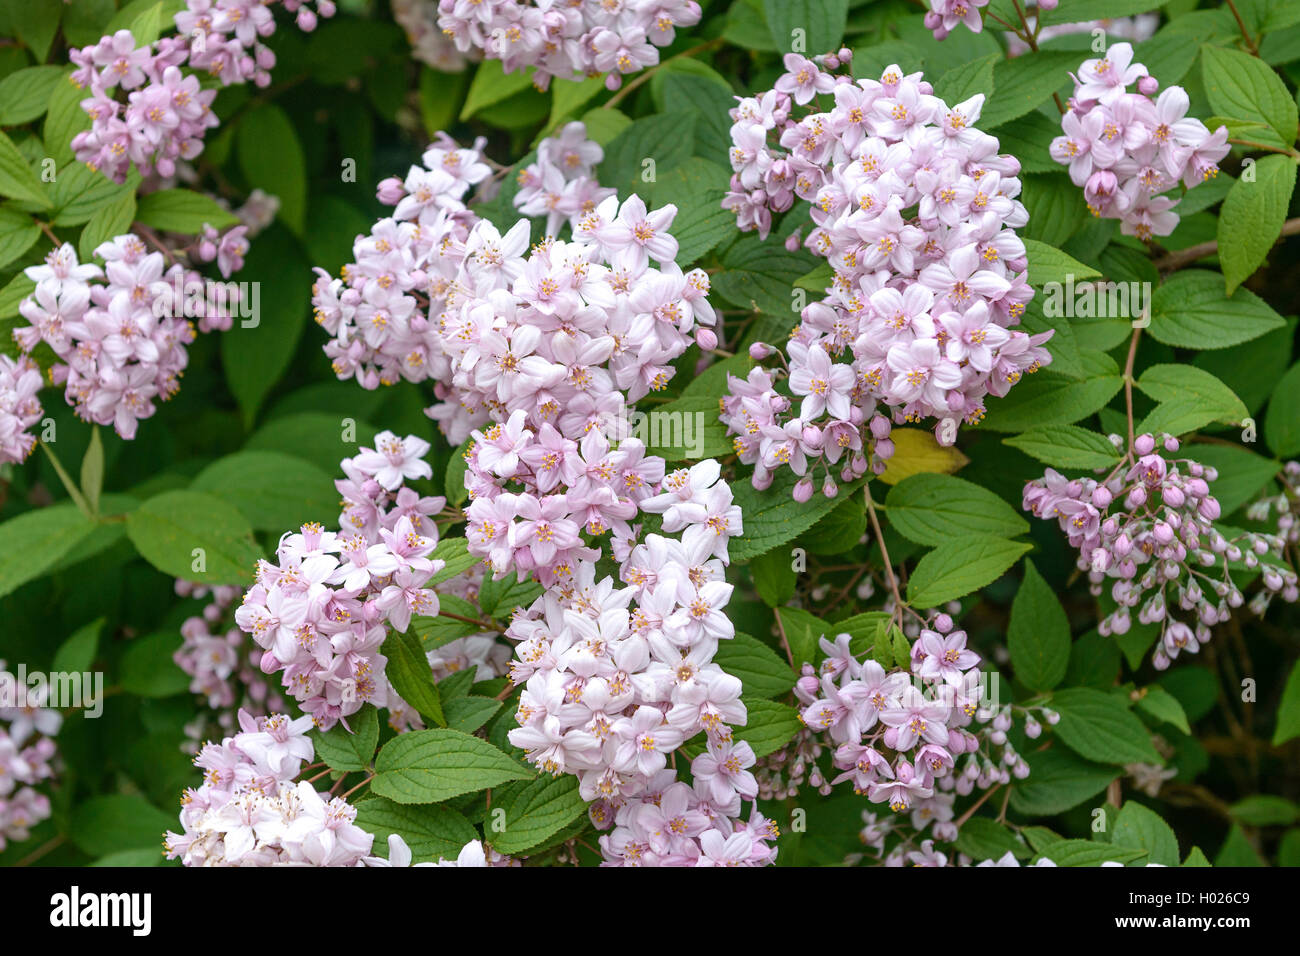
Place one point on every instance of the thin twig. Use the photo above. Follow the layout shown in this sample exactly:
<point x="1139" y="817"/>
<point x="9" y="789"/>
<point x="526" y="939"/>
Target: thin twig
<point x="1183" y="257"/>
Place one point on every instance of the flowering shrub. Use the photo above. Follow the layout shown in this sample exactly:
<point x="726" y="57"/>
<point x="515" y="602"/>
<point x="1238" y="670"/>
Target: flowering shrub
<point x="730" y="434"/>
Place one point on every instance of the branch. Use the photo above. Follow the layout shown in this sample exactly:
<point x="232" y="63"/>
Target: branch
<point x="1176" y="260"/>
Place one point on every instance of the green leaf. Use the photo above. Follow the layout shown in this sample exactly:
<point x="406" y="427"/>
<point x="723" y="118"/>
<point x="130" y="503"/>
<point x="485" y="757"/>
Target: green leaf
<point x="535" y="811"/>
<point x="762" y="275"/>
<point x="769" y="726"/>
<point x="1025" y="83"/>
<point x="696" y="187"/>
<point x="109" y="221"/>
<point x="36" y="540"/>
<point x="92" y="470"/>
<point x="1252" y="216"/>
<point x="1189" y="398"/>
<point x="271" y="157"/>
<point x="1288" y="712"/>
<point x="183" y="211"/>
<point x="18" y="233"/>
<point x="1192" y="311"/>
<point x="434" y="632"/>
<point x="1142" y="829"/>
<point x="1265" y="810"/>
<point x="1066" y="446"/>
<point x="430" y="831"/>
<point x="491" y="84"/>
<point x="984" y="839"/>
<point x="1038" y="634"/>
<point x="471" y="712"/>
<point x="429" y="766"/>
<point x="760" y="669"/>
<point x="1282" y="422"/>
<point x="498" y="598"/>
<point x="773" y="517"/>
<point x="274" y="492"/>
<point x="455" y="552"/>
<point x="1242" y="474"/>
<point x="147" y="668"/>
<point x="1058" y="781"/>
<point x="63" y="120"/>
<point x="1048" y="398"/>
<point x="196" y="536"/>
<point x="1159" y="703"/>
<point x="708" y="98"/>
<point x="17" y="179"/>
<point x="667" y="140"/>
<point x="349" y="750"/>
<point x="1100" y="9"/>
<point x="77" y="653"/>
<point x="818" y="23"/>
<point x="25" y="94"/>
<point x="257" y="350"/>
<point x="408" y="671"/>
<point x="1048" y="264"/>
<point x="118" y="822"/>
<point x="1098" y="726"/>
<point x="774" y="577"/>
<point x="932" y="509"/>
<point x="687" y="429"/>
<point x="962" y="565"/>
<point x="1242" y="86"/>
<point x="966" y="79"/>
<point x="1237" y="850"/>
<point x="1090" y="853"/>
<point x="802" y="632"/>
<point x="1056" y="211"/>
<point x="324" y="440"/>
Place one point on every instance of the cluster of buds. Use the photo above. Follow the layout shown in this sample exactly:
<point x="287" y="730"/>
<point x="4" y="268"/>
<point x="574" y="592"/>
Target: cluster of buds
<point x="1149" y="527"/>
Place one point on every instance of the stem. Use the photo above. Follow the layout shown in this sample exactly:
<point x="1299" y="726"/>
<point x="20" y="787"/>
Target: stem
<point x="785" y="642"/>
<point x="69" y="485"/>
<point x="1284" y="150"/>
<point x="41" y="850"/>
<point x="469" y="620"/>
<point x="1128" y="384"/>
<point x="358" y="786"/>
<point x="884" y="556"/>
<point x="1183" y="257"/>
<point x="647" y="74"/>
<point x="976" y="805"/>
<point x="1250" y="44"/>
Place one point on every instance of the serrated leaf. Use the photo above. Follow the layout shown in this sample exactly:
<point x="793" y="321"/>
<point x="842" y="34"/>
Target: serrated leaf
<point x="761" y="670"/>
<point x="1090" y="853"/>
<point x="36" y="540"/>
<point x="408" y="671"/>
<point x="431" y="831"/>
<point x="1058" y="781"/>
<point x="772" y="517"/>
<point x="769" y="726"/>
<point x="1251" y="218"/>
<point x="17" y="179"/>
<point x="963" y="565"/>
<point x="1066" y="446"/>
<point x="932" y="509"/>
<point x="1243" y="86"/>
<point x="537" y="810"/>
<point x="429" y="766"/>
<point x="1191" y="310"/>
<point x="1038" y="633"/>
<point x="1159" y="703"/>
<point x="349" y="750"/>
<point x="1140" y="828"/>
<point x="195" y="536"/>
<point x="1097" y="726"/>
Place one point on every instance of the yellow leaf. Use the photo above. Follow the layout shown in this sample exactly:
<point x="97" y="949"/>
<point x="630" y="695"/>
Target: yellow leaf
<point x="915" y="452"/>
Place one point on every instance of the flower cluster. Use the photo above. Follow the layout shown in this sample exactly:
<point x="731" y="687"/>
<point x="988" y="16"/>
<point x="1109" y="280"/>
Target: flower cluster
<point x="1283" y="509"/>
<point x="570" y="39"/>
<point x="944" y="15"/>
<point x="222" y="664"/>
<point x="163" y="114"/>
<point x="28" y="756"/>
<point x="249" y="811"/>
<point x="20" y="409"/>
<point x="1124" y="149"/>
<point x="322" y="611"/>
<point x="921" y="314"/>
<point x="419" y="18"/>
<point x="912" y="739"/>
<point x="120" y="342"/>
<point x="1149" y="526"/>
<point x="561" y="184"/>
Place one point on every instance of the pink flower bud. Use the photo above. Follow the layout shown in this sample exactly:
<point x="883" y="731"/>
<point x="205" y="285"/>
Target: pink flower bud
<point x="759" y="351"/>
<point x="1147" y="85"/>
<point x="803" y="490"/>
<point x="706" y="339"/>
<point x="1144" y="445"/>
